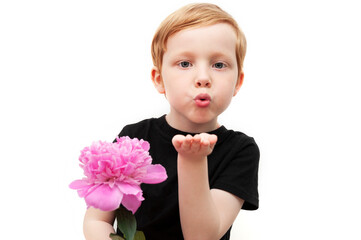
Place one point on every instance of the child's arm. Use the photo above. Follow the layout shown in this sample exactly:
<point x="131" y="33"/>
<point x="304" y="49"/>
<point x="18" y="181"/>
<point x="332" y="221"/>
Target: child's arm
<point x="98" y="224"/>
<point x="204" y="213"/>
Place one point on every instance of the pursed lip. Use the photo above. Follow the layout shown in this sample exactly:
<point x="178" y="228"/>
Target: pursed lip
<point x="202" y="100"/>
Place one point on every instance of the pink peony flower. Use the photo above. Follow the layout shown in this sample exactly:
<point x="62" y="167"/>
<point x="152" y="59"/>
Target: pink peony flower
<point x="113" y="174"/>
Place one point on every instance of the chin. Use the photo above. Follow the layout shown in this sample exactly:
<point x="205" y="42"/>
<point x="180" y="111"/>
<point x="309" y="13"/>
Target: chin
<point x="204" y="120"/>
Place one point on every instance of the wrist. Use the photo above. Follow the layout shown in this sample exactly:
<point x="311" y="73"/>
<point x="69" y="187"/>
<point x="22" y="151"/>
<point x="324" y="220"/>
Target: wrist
<point x="192" y="159"/>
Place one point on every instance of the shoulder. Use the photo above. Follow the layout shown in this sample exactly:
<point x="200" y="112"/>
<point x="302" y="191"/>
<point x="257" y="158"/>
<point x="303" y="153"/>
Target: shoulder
<point x="246" y="149"/>
<point x="239" y="140"/>
<point x="140" y="124"/>
<point x="140" y="129"/>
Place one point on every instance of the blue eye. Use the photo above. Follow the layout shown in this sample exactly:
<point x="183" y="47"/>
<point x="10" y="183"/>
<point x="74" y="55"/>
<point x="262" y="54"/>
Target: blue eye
<point x="219" y="65"/>
<point x="185" y="64"/>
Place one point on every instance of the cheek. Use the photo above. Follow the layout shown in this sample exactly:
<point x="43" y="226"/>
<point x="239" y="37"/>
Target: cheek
<point x="226" y="99"/>
<point x="174" y="83"/>
<point x="173" y="89"/>
<point x="225" y="94"/>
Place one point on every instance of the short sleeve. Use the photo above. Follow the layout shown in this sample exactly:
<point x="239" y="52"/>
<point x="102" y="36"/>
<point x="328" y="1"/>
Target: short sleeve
<point x="138" y="130"/>
<point x="239" y="175"/>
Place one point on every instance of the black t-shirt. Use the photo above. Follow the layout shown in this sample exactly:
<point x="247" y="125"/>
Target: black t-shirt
<point x="232" y="167"/>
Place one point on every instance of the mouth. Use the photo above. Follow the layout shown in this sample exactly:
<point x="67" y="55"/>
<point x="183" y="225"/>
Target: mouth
<point x="202" y="100"/>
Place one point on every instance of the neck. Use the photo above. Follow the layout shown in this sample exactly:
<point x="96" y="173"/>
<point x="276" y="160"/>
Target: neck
<point x="192" y="127"/>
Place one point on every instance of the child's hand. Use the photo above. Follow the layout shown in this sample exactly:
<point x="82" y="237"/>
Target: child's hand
<point x="195" y="147"/>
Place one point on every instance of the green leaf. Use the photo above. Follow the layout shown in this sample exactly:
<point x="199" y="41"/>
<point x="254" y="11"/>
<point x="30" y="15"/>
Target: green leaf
<point x="126" y="222"/>
<point x="139" y="235"/>
<point x="115" y="237"/>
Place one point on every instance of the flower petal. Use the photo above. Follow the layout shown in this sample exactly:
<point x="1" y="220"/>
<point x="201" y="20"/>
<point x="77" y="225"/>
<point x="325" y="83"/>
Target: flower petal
<point x="104" y="198"/>
<point x="77" y="184"/>
<point x="131" y="202"/>
<point x="82" y="186"/>
<point x="155" y="174"/>
<point x="129" y="189"/>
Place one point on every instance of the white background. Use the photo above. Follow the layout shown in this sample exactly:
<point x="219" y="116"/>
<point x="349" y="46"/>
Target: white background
<point x="73" y="72"/>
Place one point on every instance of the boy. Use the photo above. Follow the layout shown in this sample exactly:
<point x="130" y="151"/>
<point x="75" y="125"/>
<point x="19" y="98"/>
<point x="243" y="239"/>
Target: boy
<point x="198" y="53"/>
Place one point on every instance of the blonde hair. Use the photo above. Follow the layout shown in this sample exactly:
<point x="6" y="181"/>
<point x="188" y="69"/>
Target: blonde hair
<point x="195" y="15"/>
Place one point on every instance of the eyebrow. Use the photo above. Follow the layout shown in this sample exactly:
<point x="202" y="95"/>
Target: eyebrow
<point x="212" y="55"/>
<point x="221" y="55"/>
<point x="186" y="54"/>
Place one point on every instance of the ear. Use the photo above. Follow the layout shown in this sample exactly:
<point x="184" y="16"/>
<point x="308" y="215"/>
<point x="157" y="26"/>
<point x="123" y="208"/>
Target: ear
<point x="157" y="80"/>
<point x="239" y="83"/>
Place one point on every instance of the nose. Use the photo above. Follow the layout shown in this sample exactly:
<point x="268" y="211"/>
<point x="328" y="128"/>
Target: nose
<point x="203" y="78"/>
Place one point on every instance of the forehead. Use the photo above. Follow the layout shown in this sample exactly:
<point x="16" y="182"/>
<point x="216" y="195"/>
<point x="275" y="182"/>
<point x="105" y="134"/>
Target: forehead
<point x="219" y="37"/>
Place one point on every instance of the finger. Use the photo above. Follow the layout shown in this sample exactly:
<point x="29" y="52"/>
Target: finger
<point x="205" y="142"/>
<point x="204" y="138"/>
<point x="177" y="140"/>
<point x="213" y="139"/>
<point x="208" y="142"/>
<point x="196" y="142"/>
<point x="187" y="142"/>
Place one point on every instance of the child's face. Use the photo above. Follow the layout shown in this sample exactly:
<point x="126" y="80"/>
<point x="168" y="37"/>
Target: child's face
<point x="199" y="76"/>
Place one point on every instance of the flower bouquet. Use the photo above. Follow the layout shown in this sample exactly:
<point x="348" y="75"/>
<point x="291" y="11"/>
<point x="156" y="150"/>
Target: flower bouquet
<point x="113" y="174"/>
